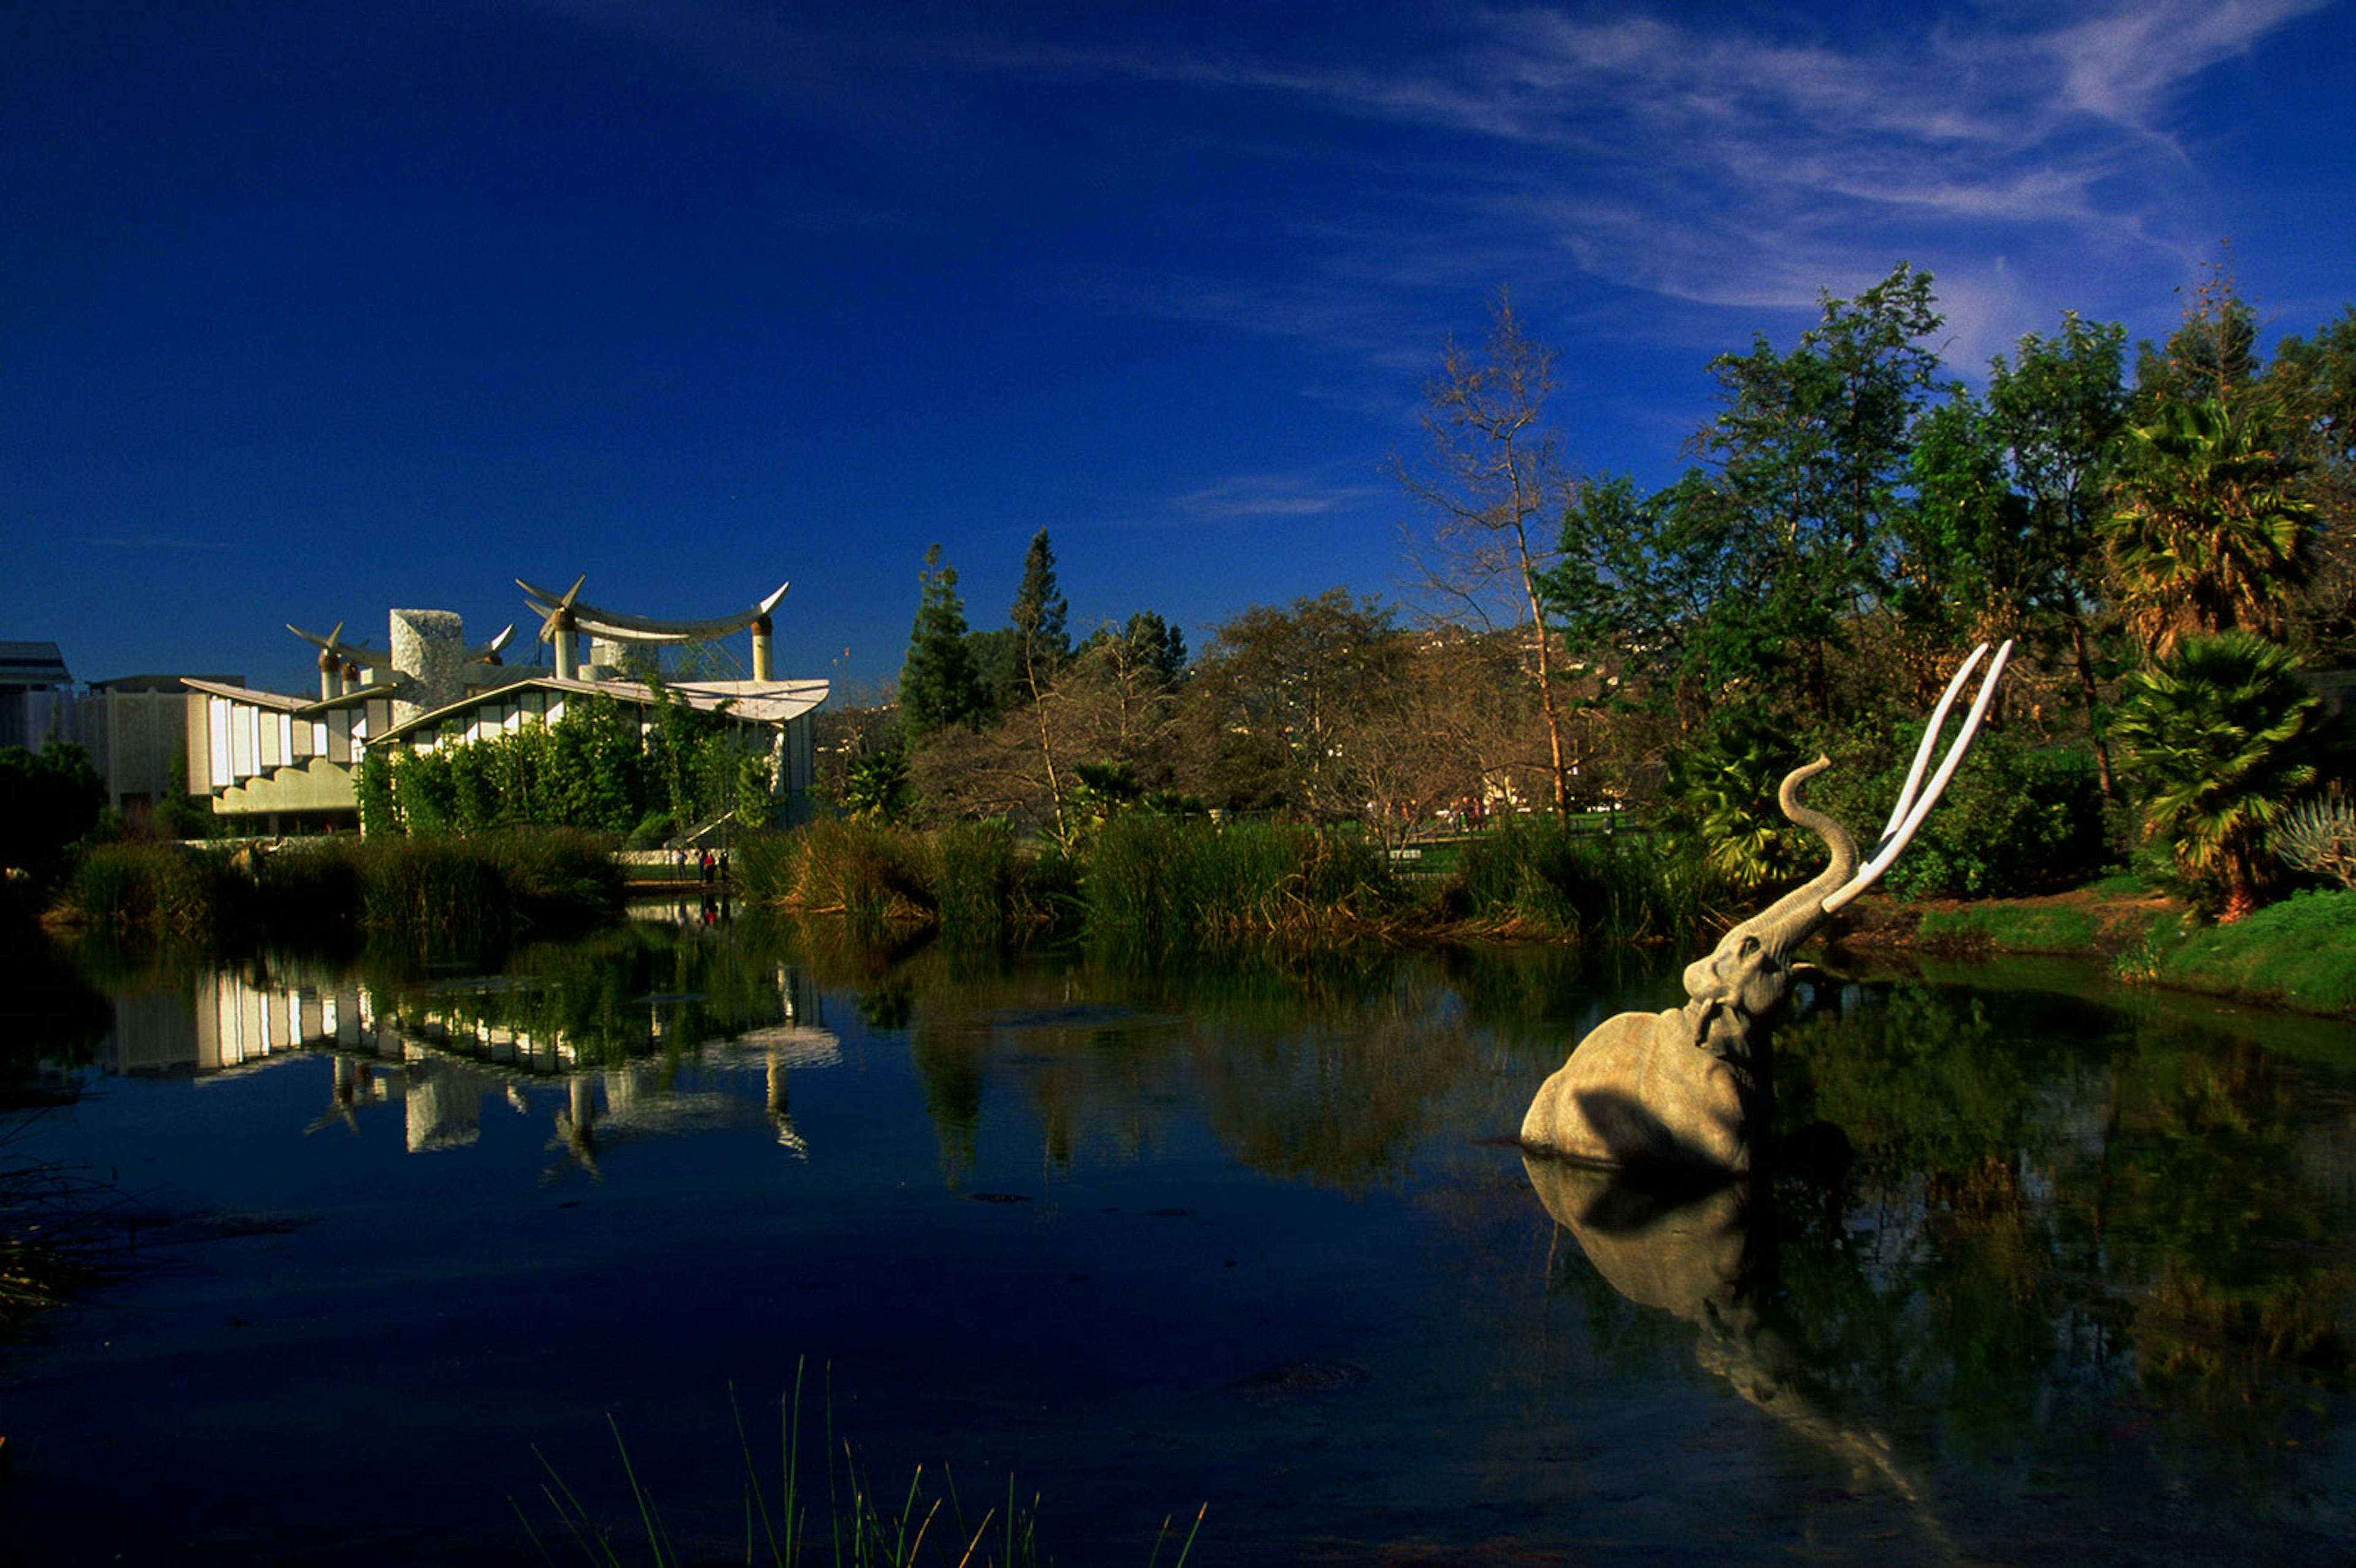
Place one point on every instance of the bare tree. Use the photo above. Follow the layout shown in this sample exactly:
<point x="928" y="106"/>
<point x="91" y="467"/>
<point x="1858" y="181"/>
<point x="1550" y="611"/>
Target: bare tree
<point x="1494" y="481"/>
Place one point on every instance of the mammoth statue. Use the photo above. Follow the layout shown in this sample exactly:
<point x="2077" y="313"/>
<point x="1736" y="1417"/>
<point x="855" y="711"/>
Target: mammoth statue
<point x="1689" y="1086"/>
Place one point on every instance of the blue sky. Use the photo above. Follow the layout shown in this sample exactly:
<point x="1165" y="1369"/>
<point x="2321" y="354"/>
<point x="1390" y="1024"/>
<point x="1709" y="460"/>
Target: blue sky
<point x="310" y="310"/>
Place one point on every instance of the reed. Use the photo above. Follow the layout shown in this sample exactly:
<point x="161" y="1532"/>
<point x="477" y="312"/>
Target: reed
<point x="150" y="888"/>
<point x="863" y="1526"/>
<point x="59" y="1231"/>
<point x="450" y="894"/>
<point x="980" y="884"/>
<point x="1544" y="877"/>
<point x="1161" y="880"/>
<point x="871" y="873"/>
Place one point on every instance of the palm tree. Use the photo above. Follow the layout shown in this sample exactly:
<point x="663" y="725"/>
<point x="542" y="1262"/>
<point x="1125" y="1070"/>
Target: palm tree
<point x="2204" y="534"/>
<point x="1722" y="789"/>
<point x="2217" y="732"/>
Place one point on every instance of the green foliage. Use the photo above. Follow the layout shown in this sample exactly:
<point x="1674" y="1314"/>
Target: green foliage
<point x="1278" y="704"/>
<point x="2212" y="355"/>
<point x="156" y="889"/>
<point x="2217" y="738"/>
<point x="1785" y="534"/>
<point x="1719" y="796"/>
<point x="1040" y="618"/>
<point x="876" y="787"/>
<point x="48" y="799"/>
<point x="1996" y="926"/>
<point x="2015" y="819"/>
<point x="372" y="787"/>
<point x="871" y="872"/>
<point x="473" y="895"/>
<point x="591" y="770"/>
<point x="977" y="881"/>
<point x="1145" y="648"/>
<point x="2003" y="539"/>
<point x="863" y="1526"/>
<point x="2206" y="532"/>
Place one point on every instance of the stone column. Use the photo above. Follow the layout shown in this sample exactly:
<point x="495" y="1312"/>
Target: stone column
<point x="429" y="649"/>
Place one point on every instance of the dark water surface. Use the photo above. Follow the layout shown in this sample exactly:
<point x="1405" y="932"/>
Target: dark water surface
<point x="1248" y="1233"/>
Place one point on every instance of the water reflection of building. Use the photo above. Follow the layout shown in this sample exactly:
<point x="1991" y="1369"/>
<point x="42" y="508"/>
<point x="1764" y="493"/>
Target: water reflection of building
<point x="440" y="1053"/>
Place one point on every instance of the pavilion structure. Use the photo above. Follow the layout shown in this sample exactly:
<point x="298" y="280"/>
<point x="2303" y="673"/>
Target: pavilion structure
<point x="280" y="761"/>
<point x="564" y="618"/>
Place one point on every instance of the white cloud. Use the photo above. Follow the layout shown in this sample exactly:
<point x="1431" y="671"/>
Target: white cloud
<point x="1246" y="496"/>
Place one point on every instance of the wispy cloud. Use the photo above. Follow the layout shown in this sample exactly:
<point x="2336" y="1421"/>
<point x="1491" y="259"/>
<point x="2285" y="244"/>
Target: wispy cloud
<point x="1249" y="496"/>
<point x="152" y="541"/>
<point x="1710" y="164"/>
<point x="1746" y="164"/>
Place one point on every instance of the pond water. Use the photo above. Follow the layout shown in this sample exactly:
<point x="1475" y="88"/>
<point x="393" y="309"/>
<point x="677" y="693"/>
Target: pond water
<point x="1127" y="1239"/>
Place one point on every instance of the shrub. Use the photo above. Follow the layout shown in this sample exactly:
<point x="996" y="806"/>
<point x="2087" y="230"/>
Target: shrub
<point x="2016" y="819"/>
<point x="2318" y="837"/>
<point x="2217" y="735"/>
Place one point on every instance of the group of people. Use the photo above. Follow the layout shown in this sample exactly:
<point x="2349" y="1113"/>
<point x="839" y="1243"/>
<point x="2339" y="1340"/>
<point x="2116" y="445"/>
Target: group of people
<point x="713" y="870"/>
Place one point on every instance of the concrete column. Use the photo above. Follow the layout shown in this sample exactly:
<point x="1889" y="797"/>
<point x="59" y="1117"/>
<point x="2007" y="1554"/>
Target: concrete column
<point x="429" y="648"/>
<point x="567" y="662"/>
<point x="761" y="632"/>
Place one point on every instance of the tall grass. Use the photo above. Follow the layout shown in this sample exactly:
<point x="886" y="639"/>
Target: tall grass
<point x="1161" y="879"/>
<point x="1544" y="877"/>
<point x="447" y="894"/>
<point x="1151" y="880"/>
<point x="863" y="1528"/>
<point x="157" y="890"/>
<point x="873" y="873"/>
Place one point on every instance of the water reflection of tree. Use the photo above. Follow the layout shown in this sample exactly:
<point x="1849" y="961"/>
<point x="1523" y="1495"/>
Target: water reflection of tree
<point x="618" y="996"/>
<point x="2115" y="1222"/>
<point x="1331" y="1066"/>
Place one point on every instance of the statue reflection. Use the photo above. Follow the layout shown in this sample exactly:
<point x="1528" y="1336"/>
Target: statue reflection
<point x="1706" y="1253"/>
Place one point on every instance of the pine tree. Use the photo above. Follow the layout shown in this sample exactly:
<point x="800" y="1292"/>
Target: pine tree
<point x="1039" y="615"/>
<point x="938" y="683"/>
<point x="1043" y="647"/>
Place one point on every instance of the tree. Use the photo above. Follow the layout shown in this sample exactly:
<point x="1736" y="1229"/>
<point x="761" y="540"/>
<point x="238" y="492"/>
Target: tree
<point x="2212" y="357"/>
<point x="49" y="800"/>
<point x="2218" y="733"/>
<point x="2206" y="534"/>
<point x="1790" y="528"/>
<point x="1276" y="697"/>
<point x="938" y="683"/>
<point x="2311" y="385"/>
<point x="1494" y="482"/>
<point x="1121" y="695"/>
<point x="2005" y="538"/>
<point x="1042" y="646"/>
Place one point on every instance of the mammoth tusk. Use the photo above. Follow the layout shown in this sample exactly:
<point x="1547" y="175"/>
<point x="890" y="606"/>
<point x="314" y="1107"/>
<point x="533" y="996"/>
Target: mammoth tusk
<point x="1910" y="812"/>
<point x="1930" y="736"/>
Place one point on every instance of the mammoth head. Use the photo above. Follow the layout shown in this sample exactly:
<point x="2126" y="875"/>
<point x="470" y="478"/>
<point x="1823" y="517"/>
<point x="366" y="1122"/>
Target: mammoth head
<point x="1750" y="974"/>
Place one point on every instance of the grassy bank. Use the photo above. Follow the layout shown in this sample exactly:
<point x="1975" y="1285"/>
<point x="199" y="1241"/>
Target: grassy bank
<point x="443" y="894"/>
<point x="2300" y="953"/>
